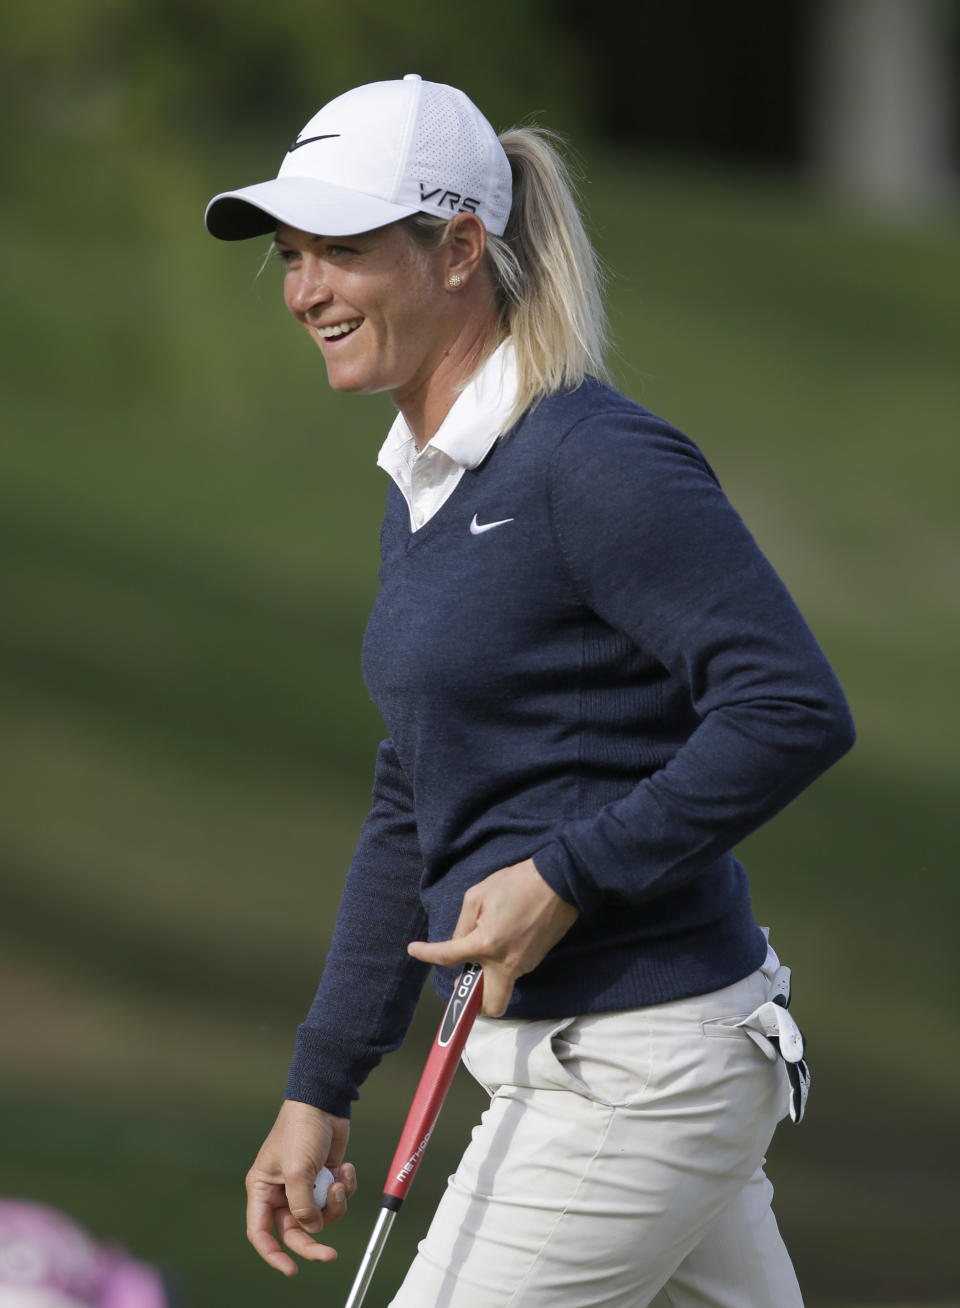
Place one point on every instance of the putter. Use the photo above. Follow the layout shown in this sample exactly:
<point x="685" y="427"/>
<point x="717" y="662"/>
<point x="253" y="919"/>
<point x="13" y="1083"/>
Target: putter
<point x="462" y="1008"/>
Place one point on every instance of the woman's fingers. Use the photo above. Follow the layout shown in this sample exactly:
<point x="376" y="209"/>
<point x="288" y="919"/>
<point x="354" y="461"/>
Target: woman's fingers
<point x="300" y="1241"/>
<point x="262" y="1201"/>
<point x="281" y="1210"/>
<point x="344" y="1185"/>
<point x="267" y="1212"/>
<point x="508" y="923"/>
<point x="498" y="986"/>
<point x="444" y="953"/>
<point x="269" y="1216"/>
<point x="298" y="1186"/>
<point x="346" y="1176"/>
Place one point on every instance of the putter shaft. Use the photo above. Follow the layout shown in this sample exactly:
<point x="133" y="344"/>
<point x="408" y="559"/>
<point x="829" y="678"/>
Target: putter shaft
<point x="458" y="1017"/>
<point x="371" y="1257"/>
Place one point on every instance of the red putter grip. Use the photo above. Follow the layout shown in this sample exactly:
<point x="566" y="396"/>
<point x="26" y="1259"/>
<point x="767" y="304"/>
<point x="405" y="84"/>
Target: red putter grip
<point x="462" y="1008"/>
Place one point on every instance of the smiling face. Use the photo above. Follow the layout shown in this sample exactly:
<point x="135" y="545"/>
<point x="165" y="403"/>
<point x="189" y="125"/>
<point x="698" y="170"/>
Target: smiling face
<point x="379" y="311"/>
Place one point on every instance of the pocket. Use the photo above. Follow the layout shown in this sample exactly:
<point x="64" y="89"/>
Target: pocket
<point x="724" y="1028"/>
<point x="565" y="1055"/>
<point x="606" y="1057"/>
<point x="501" y="1053"/>
<point x="488" y="1053"/>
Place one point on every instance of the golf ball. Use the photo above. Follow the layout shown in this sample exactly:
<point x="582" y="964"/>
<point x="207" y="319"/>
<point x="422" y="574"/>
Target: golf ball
<point x="321" y="1185"/>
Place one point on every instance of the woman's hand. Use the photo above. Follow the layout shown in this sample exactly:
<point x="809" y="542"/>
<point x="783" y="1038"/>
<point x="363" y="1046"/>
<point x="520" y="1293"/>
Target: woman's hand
<point x="280" y="1185"/>
<point x="508" y="923"/>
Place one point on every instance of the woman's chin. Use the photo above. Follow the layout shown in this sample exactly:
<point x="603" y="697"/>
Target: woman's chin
<point x="349" y="381"/>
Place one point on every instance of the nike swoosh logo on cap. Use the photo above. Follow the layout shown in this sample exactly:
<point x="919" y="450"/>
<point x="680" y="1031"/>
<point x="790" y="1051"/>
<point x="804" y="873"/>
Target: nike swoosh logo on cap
<point x="305" y="140"/>
<point x="477" y="527"/>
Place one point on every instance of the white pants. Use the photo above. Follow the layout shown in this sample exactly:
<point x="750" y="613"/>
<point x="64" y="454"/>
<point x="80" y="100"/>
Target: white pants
<point x="619" y="1165"/>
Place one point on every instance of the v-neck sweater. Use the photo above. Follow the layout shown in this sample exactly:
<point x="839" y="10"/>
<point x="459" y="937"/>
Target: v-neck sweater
<point x="582" y="658"/>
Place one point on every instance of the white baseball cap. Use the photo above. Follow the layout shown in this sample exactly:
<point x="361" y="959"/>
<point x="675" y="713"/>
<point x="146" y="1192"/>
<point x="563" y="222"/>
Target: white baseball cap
<point x="376" y="154"/>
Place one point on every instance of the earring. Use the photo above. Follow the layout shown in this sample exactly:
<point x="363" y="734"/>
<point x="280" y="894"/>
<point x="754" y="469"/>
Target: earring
<point x="454" y="281"/>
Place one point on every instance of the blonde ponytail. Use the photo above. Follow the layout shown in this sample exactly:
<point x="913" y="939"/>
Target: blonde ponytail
<point x="546" y="274"/>
<point x="546" y="277"/>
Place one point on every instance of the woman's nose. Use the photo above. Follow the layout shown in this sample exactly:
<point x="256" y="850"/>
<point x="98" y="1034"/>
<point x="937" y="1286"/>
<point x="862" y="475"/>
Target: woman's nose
<point x="308" y="291"/>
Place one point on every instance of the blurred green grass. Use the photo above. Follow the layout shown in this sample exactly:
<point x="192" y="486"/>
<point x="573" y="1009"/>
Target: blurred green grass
<point x="190" y="545"/>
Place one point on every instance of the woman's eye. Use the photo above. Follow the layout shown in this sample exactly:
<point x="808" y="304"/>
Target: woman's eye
<point x="285" y="254"/>
<point x="290" y="256"/>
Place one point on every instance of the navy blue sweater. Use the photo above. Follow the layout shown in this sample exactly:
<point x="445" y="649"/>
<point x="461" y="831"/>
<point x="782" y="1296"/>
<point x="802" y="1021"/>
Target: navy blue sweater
<point x="612" y="681"/>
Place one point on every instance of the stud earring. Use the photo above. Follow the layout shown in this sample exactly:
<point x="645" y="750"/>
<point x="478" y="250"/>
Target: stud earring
<point x="454" y="280"/>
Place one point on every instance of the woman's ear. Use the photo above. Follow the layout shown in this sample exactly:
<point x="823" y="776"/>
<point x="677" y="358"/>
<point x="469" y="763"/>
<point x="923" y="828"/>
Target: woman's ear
<point x="465" y="247"/>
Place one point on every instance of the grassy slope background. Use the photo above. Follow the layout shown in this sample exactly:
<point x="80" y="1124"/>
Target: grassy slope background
<point x="190" y="534"/>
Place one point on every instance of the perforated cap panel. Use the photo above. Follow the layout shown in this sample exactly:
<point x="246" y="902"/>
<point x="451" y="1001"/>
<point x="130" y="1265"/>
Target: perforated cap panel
<point x="455" y="162"/>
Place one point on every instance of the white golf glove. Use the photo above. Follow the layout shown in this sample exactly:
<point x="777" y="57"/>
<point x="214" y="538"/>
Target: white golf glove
<point x="777" y="1035"/>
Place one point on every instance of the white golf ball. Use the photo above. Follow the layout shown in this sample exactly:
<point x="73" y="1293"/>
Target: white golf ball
<point x="321" y="1185"/>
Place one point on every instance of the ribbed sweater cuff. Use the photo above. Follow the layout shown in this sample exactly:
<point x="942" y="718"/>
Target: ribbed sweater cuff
<point x="314" y="1078"/>
<point x="556" y="866"/>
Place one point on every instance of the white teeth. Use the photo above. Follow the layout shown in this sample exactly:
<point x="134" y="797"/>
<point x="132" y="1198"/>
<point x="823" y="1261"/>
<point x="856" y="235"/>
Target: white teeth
<point x="338" y="329"/>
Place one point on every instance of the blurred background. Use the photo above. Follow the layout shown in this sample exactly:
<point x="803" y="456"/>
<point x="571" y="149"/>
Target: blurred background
<point x="190" y="523"/>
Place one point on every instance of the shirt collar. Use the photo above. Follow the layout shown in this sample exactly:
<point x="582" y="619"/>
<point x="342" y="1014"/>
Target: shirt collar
<point x="478" y="416"/>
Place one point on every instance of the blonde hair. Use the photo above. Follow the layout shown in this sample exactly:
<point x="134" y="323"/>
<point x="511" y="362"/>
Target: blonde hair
<point x="546" y="277"/>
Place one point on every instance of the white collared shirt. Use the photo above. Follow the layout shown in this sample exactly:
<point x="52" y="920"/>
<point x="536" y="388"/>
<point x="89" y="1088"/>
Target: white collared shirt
<point x="428" y="477"/>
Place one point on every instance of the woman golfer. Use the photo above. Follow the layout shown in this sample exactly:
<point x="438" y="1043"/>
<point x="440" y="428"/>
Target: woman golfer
<point x="594" y="686"/>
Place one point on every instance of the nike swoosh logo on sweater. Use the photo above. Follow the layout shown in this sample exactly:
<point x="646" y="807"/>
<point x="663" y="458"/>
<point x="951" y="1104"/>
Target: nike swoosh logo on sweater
<point x="477" y="527"/>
